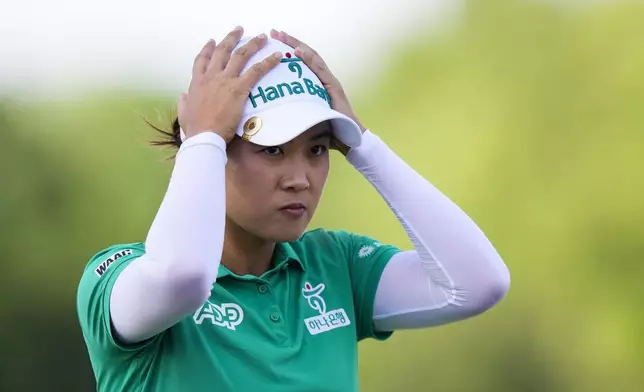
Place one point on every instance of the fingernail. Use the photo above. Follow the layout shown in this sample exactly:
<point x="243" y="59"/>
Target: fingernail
<point x="277" y="55"/>
<point x="238" y="28"/>
<point x="262" y="36"/>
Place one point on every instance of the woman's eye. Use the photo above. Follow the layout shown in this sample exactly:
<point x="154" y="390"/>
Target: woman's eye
<point x="319" y="150"/>
<point x="272" y="151"/>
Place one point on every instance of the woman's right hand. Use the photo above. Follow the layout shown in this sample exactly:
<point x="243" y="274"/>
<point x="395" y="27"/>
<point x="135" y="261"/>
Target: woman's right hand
<point x="217" y="93"/>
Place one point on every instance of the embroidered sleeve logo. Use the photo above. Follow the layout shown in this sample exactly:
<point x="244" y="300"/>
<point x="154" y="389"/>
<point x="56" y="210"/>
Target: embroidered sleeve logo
<point x="325" y="321"/>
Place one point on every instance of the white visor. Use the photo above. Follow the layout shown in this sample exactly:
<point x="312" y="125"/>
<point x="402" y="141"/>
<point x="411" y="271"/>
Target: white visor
<point x="287" y="102"/>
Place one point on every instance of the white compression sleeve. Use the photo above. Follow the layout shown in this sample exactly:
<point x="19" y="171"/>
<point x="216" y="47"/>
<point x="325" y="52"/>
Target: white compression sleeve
<point x="453" y="273"/>
<point x="183" y="247"/>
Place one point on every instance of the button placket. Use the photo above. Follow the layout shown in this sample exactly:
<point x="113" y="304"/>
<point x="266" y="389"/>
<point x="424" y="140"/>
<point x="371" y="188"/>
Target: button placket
<point x="275" y="317"/>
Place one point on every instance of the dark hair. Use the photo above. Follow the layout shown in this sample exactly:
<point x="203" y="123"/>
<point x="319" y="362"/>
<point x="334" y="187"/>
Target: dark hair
<point x="169" y="138"/>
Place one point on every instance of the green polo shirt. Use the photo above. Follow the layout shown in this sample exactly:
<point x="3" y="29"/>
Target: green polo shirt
<point x="295" y="328"/>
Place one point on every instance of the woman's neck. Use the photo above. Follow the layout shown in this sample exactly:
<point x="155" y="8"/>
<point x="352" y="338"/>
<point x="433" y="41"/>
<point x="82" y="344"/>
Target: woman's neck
<point x="244" y="253"/>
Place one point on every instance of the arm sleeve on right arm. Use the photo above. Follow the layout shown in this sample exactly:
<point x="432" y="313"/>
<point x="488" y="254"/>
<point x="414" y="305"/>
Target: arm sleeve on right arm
<point x="182" y="250"/>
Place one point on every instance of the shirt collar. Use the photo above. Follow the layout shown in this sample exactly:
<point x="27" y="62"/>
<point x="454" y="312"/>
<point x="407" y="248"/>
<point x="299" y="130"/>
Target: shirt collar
<point x="284" y="256"/>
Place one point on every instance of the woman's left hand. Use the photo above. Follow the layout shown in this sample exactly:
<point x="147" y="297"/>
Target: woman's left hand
<point x="312" y="59"/>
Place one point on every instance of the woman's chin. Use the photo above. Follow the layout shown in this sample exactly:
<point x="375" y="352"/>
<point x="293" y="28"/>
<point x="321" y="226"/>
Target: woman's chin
<point x="288" y="234"/>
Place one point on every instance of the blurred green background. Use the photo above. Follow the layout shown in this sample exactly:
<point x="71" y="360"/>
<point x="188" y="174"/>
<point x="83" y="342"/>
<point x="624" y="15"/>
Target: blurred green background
<point x="528" y="116"/>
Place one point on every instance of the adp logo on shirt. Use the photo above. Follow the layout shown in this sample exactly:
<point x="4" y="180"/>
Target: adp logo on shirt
<point x="227" y="315"/>
<point x="326" y="321"/>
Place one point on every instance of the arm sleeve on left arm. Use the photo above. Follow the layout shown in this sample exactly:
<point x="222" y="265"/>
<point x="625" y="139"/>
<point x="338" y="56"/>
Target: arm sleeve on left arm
<point x="453" y="273"/>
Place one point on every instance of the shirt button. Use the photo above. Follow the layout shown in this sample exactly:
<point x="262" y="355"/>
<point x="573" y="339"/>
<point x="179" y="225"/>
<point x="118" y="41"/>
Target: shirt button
<point x="262" y="289"/>
<point x="285" y="267"/>
<point x="275" y="317"/>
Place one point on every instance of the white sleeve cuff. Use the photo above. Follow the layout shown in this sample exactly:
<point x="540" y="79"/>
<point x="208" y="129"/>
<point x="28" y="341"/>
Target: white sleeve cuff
<point x="362" y="155"/>
<point x="204" y="138"/>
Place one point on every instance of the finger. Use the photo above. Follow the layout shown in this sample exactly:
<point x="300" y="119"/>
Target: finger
<point x="203" y="58"/>
<point x="313" y="58"/>
<point x="276" y="35"/>
<point x="240" y="57"/>
<point x="287" y="39"/>
<point x="222" y="52"/>
<point x="316" y="64"/>
<point x="258" y="70"/>
<point x="308" y="55"/>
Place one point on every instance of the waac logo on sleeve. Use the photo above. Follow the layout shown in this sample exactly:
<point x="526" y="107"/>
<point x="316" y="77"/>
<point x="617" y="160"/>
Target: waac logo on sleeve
<point x="325" y="321"/>
<point x="225" y="315"/>
<point x="100" y="270"/>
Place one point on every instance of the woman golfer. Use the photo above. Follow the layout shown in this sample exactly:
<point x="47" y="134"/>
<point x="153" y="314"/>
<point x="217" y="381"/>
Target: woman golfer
<point x="228" y="292"/>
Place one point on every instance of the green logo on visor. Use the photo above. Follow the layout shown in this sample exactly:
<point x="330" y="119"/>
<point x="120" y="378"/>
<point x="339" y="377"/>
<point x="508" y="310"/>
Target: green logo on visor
<point x="265" y="94"/>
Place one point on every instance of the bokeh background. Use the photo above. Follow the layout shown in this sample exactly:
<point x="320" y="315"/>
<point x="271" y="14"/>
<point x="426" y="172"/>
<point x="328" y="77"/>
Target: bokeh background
<point x="528" y="114"/>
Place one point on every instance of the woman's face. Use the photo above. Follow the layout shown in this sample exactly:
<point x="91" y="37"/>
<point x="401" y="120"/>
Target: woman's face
<point x="272" y="192"/>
